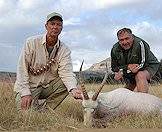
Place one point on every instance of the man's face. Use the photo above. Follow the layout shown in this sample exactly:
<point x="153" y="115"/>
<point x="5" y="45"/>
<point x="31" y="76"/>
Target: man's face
<point x="126" y="40"/>
<point x="54" y="27"/>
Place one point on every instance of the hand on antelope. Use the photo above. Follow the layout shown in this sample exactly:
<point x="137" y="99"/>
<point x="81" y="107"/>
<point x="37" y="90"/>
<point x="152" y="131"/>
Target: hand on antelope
<point x="76" y="93"/>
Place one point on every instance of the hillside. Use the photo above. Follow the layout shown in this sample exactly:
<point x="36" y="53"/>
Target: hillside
<point x="101" y="66"/>
<point x="7" y="76"/>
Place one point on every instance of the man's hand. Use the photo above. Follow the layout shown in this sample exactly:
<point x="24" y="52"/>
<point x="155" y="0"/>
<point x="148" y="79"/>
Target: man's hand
<point x="133" y="68"/>
<point x="76" y="93"/>
<point x="26" y="102"/>
<point x="118" y="76"/>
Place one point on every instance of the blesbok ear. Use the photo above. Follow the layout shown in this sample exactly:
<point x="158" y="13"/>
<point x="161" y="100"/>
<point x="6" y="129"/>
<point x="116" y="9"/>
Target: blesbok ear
<point x="85" y="95"/>
<point x="94" y="98"/>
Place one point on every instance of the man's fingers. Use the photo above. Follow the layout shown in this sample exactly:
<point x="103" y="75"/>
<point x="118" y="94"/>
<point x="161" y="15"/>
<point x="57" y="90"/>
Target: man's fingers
<point x="26" y="102"/>
<point x="76" y="93"/>
<point x="23" y="104"/>
<point x="132" y="66"/>
<point x="77" y="96"/>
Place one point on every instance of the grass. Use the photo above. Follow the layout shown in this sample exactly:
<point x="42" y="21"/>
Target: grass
<point x="68" y="116"/>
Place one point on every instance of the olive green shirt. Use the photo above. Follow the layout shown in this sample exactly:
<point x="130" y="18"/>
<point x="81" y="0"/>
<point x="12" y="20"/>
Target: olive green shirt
<point x="139" y="53"/>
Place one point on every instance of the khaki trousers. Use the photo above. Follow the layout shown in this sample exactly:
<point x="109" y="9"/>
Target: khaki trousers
<point x="51" y="96"/>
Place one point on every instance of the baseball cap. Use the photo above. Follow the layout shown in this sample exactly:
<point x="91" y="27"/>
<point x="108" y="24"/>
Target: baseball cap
<point x="54" y="14"/>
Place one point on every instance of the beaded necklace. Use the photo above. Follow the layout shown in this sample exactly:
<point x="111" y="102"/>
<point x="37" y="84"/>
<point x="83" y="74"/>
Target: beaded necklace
<point x="46" y="67"/>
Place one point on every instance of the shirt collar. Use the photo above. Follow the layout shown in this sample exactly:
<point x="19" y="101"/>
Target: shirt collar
<point x="44" y="41"/>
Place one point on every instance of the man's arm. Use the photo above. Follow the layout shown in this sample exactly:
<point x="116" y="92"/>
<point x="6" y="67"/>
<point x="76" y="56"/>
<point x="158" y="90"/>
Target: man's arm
<point x="115" y="68"/>
<point x="114" y="63"/>
<point x="66" y="73"/>
<point x="22" y="81"/>
<point x="144" y="50"/>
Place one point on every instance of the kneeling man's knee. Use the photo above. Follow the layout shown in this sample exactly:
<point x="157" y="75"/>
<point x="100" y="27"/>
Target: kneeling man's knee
<point x="143" y="75"/>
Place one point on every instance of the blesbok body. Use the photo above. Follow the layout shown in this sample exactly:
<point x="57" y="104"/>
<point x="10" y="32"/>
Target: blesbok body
<point x="117" y="102"/>
<point x="102" y="107"/>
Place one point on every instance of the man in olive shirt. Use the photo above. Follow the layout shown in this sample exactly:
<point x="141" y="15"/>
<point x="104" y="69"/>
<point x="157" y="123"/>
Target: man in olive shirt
<point x="132" y="60"/>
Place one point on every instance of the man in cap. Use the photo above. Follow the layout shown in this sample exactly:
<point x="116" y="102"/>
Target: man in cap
<point x="133" y="61"/>
<point x="44" y="69"/>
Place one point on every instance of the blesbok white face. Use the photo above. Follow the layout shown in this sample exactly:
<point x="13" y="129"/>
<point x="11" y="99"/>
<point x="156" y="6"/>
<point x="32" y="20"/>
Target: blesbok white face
<point x="89" y="101"/>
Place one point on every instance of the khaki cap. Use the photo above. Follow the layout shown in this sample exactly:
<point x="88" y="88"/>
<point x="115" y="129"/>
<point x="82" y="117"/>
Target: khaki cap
<point x="54" y="14"/>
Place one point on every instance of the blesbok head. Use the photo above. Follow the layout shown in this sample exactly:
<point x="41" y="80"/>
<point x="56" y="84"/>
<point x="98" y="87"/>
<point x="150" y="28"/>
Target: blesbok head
<point x="89" y="102"/>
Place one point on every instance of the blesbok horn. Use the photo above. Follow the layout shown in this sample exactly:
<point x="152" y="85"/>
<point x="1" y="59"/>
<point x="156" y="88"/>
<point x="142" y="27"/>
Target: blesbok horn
<point x="85" y="95"/>
<point x="102" y="84"/>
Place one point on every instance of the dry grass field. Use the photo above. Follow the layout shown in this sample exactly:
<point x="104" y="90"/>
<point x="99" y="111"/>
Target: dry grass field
<point x="68" y="116"/>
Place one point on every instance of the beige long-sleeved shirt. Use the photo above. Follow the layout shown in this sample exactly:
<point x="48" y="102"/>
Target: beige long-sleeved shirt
<point x="35" y="54"/>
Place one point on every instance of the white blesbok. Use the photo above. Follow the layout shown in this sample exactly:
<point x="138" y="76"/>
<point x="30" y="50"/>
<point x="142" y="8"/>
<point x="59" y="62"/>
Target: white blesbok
<point x="101" y="107"/>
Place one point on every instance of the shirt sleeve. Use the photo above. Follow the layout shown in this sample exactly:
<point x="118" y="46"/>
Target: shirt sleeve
<point x="151" y="62"/>
<point x="22" y="80"/>
<point x="114" y="63"/>
<point x="65" y="69"/>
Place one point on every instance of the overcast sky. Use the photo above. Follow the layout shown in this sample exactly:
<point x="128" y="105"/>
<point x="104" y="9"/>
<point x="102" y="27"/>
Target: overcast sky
<point x="90" y="26"/>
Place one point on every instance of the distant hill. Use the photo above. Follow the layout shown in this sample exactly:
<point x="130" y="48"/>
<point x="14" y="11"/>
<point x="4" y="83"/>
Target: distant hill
<point x="7" y="76"/>
<point x="97" y="71"/>
<point x="101" y="66"/>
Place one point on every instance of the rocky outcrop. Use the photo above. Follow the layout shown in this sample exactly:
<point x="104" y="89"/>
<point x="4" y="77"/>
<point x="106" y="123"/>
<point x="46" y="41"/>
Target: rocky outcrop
<point x="101" y="66"/>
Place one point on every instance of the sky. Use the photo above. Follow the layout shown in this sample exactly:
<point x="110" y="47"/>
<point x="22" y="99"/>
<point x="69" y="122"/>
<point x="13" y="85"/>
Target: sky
<point x="89" y="30"/>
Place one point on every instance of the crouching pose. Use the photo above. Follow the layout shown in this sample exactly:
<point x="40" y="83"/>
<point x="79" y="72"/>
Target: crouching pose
<point x="133" y="61"/>
<point x="44" y="69"/>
